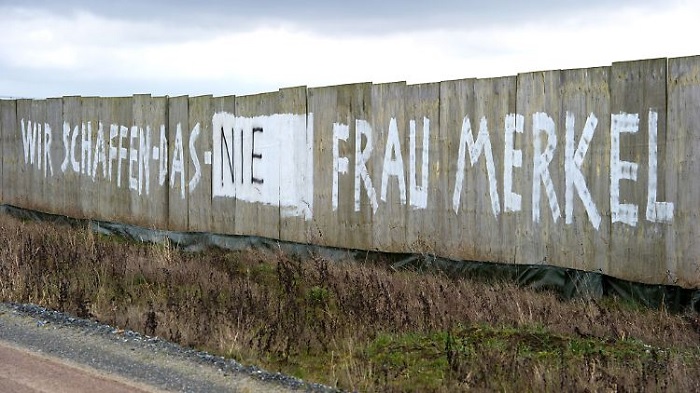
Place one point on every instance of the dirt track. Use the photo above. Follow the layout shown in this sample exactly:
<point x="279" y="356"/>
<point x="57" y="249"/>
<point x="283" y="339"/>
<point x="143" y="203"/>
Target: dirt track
<point x="47" y="355"/>
<point x="26" y="372"/>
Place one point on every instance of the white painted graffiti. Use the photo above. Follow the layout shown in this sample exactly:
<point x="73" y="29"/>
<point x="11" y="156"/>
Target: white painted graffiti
<point x="270" y="160"/>
<point x="265" y="159"/>
<point x="116" y="148"/>
<point x="545" y="143"/>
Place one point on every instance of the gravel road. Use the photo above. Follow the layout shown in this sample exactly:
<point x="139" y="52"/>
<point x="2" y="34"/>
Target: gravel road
<point x="148" y="362"/>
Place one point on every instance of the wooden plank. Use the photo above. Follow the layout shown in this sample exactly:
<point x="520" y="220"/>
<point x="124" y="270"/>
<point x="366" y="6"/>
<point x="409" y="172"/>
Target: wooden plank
<point x="586" y="210"/>
<point x="297" y="192"/>
<point x="637" y="246"/>
<point x="86" y="138"/>
<point x="338" y="111"/>
<point x="540" y="220"/>
<point x="198" y="142"/>
<point x="70" y="175"/>
<point x="173" y="169"/>
<point x="457" y="100"/>
<point x="100" y="175"/>
<point x="26" y="152"/>
<point x="388" y="169"/>
<point x="682" y="166"/>
<point x="223" y="207"/>
<point x="53" y="155"/>
<point x="37" y="190"/>
<point x="114" y="194"/>
<point x="427" y="180"/>
<point x="11" y="151"/>
<point x="494" y="106"/>
<point x="149" y="202"/>
<point x="257" y="177"/>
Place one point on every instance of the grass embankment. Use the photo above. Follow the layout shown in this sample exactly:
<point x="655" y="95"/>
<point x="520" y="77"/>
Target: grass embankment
<point x="357" y="326"/>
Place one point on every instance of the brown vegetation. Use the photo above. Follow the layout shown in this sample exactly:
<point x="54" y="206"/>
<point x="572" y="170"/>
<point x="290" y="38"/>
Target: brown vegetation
<point x="353" y="325"/>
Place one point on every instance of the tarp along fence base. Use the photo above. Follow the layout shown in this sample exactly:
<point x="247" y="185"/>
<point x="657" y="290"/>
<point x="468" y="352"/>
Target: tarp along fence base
<point x="565" y="282"/>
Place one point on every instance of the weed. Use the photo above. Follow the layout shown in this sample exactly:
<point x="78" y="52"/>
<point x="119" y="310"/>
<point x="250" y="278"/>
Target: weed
<point x="358" y="326"/>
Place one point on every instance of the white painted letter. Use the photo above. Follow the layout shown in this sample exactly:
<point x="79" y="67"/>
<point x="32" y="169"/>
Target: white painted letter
<point x="47" y="149"/>
<point x="512" y="158"/>
<point x="362" y="127"/>
<point x="123" y="133"/>
<point x="163" y="161"/>
<point x="66" y="146"/>
<point x="144" y="155"/>
<point x="393" y="167"/>
<point x="542" y="122"/>
<point x="178" y="162"/>
<point x="100" y="153"/>
<point x="74" y="161"/>
<point x="621" y="170"/>
<point x="195" y="159"/>
<point x="86" y="147"/>
<point x="341" y="132"/>
<point x="482" y="144"/>
<point x="28" y="140"/>
<point x="419" y="194"/>
<point x="113" y="133"/>
<point x="37" y="137"/>
<point x="656" y="211"/>
<point x="133" y="158"/>
<point x="572" y="167"/>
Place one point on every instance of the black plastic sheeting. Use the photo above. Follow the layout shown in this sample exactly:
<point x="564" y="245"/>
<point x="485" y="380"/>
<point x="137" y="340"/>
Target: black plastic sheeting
<point x="567" y="283"/>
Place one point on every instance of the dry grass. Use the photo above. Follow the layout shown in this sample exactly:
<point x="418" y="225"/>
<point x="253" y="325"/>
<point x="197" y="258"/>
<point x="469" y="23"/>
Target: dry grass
<point x="352" y="325"/>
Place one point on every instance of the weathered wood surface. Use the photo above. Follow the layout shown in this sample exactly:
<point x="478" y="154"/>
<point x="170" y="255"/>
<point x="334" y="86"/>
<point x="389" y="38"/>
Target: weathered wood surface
<point x="592" y="169"/>
<point x="197" y="142"/>
<point x="176" y="180"/>
<point x="682" y="169"/>
<point x="11" y="160"/>
<point x="637" y="88"/>
<point x="342" y="207"/>
<point x="223" y="209"/>
<point x="426" y="163"/>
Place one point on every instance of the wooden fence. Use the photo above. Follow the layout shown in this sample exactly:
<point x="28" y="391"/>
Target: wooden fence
<point x="593" y="169"/>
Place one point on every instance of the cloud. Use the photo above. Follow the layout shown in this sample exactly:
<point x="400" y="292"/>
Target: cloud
<point x="358" y="17"/>
<point x="89" y="50"/>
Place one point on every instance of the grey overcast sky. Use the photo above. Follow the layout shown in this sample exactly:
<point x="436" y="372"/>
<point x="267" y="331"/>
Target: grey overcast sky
<point x="54" y="48"/>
